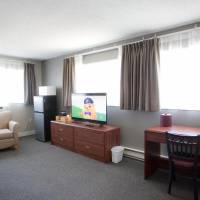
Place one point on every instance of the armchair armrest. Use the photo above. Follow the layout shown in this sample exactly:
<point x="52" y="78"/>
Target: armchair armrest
<point x="14" y="127"/>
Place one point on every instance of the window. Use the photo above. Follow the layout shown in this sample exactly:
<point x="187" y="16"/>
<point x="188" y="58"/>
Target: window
<point x="179" y="71"/>
<point x="11" y="82"/>
<point x="99" y="72"/>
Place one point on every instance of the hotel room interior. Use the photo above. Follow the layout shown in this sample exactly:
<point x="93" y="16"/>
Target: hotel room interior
<point x="99" y="100"/>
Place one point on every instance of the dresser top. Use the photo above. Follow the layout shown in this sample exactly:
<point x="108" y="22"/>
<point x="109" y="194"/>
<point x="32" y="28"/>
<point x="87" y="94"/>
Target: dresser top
<point x="88" y="126"/>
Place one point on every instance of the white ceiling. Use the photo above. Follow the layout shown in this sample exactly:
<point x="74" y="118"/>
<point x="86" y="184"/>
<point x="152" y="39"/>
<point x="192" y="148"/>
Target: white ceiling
<point x="42" y="29"/>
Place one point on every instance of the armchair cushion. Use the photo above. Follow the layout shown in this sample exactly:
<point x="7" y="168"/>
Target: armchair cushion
<point x="5" y="117"/>
<point x="5" y="134"/>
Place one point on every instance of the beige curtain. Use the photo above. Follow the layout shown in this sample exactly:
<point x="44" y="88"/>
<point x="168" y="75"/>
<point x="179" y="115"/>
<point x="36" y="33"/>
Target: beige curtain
<point x="68" y="80"/>
<point x="139" y="76"/>
<point x="29" y="83"/>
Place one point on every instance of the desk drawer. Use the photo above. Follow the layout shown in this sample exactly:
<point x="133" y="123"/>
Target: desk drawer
<point x="90" y="149"/>
<point x="91" y="136"/>
<point x="155" y="137"/>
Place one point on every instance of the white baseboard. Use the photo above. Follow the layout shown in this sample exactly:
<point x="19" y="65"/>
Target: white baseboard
<point x="26" y="133"/>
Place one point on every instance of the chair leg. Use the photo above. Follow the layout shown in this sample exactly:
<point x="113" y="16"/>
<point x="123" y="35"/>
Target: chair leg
<point x="174" y="173"/>
<point x="195" y="186"/>
<point x="195" y="189"/>
<point x="171" y="176"/>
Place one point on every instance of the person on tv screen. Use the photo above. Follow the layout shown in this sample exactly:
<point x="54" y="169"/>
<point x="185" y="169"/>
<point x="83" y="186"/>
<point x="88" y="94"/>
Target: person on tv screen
<point x="89" y="111"/>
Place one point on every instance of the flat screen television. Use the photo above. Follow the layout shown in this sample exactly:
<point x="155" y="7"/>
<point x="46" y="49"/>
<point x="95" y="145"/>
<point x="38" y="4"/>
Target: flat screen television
<point x="91" y="107"/>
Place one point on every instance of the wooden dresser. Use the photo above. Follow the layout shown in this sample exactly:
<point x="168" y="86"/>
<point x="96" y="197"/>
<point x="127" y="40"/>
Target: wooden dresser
<point x="94" y="142"/>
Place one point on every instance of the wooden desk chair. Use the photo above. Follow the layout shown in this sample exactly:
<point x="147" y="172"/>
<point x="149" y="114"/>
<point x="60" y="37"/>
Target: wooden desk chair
<point x="183" y="152"/>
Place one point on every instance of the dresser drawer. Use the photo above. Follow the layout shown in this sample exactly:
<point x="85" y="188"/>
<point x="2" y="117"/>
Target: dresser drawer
<point x="63" y="131"/>
<point x="90" y="136"/>
<point x="90" y="149"/>
<point x="63" y="141"/>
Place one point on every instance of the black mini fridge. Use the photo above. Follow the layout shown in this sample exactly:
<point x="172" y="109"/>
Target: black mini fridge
<point x="44" y="112"/>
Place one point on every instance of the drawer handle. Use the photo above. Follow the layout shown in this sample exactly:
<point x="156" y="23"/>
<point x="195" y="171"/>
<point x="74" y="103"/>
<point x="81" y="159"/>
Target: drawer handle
<point x="87" y="147"/>
<point x="60" y="130"/>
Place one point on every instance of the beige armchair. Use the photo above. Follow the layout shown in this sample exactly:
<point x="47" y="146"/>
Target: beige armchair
<point x="8" y="131"/>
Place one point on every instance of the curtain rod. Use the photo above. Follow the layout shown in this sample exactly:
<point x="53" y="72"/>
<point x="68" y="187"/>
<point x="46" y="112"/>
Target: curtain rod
<point x="158" y="34"/>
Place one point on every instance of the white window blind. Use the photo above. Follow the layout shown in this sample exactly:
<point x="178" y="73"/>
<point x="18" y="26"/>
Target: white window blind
<point x="11" y="82"/>
<point x="180" y="70"/>
<point x="99" y="72"/>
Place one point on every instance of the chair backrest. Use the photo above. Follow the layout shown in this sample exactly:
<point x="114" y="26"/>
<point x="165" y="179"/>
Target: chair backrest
<point x="183" y="147"/>
<point x="5" y="117"/>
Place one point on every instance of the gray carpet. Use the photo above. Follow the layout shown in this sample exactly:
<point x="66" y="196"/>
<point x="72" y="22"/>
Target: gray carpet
<point x="41" y="171"/>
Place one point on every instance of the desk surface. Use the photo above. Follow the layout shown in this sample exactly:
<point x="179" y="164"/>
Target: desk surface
<point x="182" y="130"/>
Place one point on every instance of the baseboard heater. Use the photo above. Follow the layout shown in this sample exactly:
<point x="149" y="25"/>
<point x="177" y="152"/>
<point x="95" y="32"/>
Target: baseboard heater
<point x="134" y="153"/>
<point x="26" y="133"/>
<point x="137" y="154"/>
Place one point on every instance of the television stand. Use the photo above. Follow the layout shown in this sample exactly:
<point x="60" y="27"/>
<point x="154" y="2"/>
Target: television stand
<point x="93" y="141"/>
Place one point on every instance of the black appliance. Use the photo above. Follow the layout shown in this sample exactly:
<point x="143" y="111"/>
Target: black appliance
<point x="44" y="112"/>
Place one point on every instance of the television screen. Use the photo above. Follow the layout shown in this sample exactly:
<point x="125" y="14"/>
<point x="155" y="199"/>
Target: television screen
<point x="89" y="107"/>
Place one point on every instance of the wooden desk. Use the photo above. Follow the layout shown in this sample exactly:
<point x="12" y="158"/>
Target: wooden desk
<point x="153" y="138"/>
